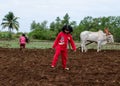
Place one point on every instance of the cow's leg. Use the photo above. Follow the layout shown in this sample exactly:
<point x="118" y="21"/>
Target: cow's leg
<point x="85" y="47"/>
<point x="82" y="47"/>
<point x="98" y="46"/>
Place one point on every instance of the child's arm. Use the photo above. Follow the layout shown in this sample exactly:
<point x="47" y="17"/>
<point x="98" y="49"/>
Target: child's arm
<point x="56" y="40"/>
<point x="72" y="43"/>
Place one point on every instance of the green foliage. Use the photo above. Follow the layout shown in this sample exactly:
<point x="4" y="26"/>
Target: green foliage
<point x="40" y="30"/>
<point x="11" y="22"/>
<point x="117" y="34"/>
<point x="94" y="24"/>
<point x="4" y="35"/>
<point x="42" y="34"/>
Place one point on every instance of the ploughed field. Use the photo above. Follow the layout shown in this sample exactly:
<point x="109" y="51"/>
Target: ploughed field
<point x="31" y="67"/>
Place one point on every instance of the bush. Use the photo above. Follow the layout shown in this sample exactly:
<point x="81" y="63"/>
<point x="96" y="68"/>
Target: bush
<point x="42" y="34"/>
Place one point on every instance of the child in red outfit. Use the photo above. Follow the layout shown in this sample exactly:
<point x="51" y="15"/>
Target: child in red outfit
<point x="22" y="41"/>
<point x="60" y="45"/>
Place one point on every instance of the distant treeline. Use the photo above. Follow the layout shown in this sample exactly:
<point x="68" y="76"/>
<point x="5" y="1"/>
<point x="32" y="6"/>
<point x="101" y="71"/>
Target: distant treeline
<point x="40" y="30"/>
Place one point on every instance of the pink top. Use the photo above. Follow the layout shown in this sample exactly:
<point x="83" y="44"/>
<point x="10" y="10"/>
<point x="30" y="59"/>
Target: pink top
<point x="22" y="40"/>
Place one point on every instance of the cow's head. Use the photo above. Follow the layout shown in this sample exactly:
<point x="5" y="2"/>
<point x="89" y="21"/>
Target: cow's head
<point x="110" y="38"/>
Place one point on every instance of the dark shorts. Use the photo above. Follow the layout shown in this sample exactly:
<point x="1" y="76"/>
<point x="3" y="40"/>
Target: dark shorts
<point x="22" y="45"/>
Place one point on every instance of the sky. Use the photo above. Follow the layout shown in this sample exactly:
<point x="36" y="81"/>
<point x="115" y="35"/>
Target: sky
<point x="49" y="10"/>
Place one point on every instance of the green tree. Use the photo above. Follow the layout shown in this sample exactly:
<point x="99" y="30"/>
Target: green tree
<point x="11" y="22"/>
<point x="66" y="19"/>
<point x="33" y="26"/>
<point x="56" y="26"/>
<point x="52" y="26"/>
<point x="43" y="25"/>
<point x="40" y="26"/>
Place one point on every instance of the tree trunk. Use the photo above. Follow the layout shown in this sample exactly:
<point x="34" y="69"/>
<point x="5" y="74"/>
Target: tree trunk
<point x="10" y="34"/>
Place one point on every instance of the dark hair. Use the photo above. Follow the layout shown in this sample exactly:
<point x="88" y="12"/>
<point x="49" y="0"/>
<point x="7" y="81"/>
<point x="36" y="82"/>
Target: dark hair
<point x="23" y="34"/>
<point x="27" y="39"/>
<point x="67" y="27"/>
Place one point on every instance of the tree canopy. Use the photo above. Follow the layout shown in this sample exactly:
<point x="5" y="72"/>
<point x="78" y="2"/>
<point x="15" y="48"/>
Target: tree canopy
<point x="43" y="31"/>
<point x="10" y="21"/>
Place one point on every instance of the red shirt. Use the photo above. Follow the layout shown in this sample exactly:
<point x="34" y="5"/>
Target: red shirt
<point x="62" y="41"/>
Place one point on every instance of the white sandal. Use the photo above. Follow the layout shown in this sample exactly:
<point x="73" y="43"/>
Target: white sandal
<point x="66" y="68"/>
<point x="52" y="66"/>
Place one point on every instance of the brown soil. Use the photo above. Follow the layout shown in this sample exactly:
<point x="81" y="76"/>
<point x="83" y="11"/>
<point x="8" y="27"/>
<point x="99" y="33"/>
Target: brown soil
<point x="31" y="67"/>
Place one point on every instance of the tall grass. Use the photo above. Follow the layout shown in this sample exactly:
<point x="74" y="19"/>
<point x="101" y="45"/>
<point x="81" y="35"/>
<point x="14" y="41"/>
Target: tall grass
<point x="32" y="44"/>
<point x="113" y="46"/>
<point x="48" y="44"/>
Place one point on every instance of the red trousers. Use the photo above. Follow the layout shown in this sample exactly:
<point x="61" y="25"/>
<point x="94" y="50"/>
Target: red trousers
<point x="63" y="53"/>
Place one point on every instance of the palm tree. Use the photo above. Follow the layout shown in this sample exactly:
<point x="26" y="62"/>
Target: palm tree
<point x="11" y="22"/>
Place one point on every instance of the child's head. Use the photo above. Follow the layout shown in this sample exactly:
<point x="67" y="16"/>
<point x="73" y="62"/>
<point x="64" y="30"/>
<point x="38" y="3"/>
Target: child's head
<point x="23" y="34"/>
<point x="67" y="29"/>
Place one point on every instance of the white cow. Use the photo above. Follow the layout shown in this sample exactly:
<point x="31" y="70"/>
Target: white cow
<point x="99" y="37"/>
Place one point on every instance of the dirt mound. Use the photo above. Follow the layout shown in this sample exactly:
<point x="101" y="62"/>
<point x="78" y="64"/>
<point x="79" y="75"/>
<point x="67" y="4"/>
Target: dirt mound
<point x="31" y="67"/>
